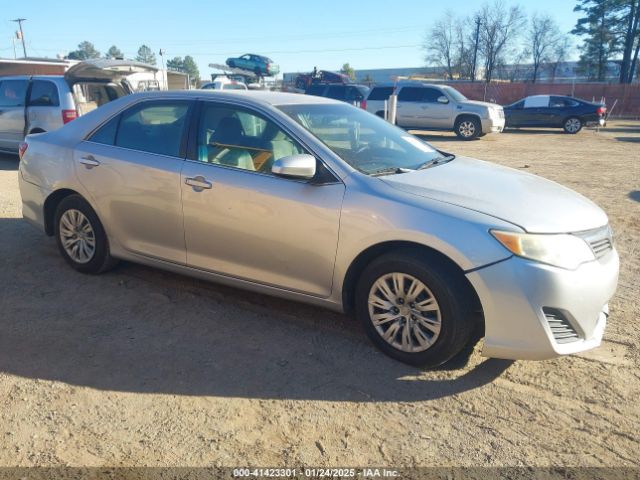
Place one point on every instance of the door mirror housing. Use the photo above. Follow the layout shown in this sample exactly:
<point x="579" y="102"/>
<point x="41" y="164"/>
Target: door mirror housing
<point x="295" y="166"/>
<point x="443" y="99"/>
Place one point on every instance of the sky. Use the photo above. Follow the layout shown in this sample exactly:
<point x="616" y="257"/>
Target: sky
<point x="297" y="35"/>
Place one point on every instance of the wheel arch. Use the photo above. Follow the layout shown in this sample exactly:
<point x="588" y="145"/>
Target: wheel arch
<point x="358" y="265"/>
<point x="51" y="204"/>
<point x="463" y="115"/>
<point x="37" y="130"/>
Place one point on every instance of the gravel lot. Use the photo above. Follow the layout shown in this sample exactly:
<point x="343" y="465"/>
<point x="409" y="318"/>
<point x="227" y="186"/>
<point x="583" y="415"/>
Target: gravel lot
<point x="139" y="367"/>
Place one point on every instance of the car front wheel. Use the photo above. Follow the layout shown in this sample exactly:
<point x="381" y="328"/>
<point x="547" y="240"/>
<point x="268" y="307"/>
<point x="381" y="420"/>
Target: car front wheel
<point x="80" y="236"/>
<point x="468" y="128"/>
<point x="572" y="125"/>
<point x="414" y="310"/>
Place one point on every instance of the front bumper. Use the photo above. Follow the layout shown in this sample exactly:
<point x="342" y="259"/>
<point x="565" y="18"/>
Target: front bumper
<point x="514" y="292"/>
<point x="492" y="125"/>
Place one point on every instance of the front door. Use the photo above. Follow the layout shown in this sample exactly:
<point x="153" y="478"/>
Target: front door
<point x="131" y="169"/>
<point x="242" y="221"/>
<point x="13" y="95"/>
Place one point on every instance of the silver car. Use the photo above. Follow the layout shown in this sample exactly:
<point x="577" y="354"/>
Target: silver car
<point x="41" y="103"/>
<point x="424" y="106"/>
<point x="315" y="200"/>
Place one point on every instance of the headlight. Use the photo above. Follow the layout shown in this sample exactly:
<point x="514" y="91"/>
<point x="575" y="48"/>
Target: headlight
<point x="560" y="250"/>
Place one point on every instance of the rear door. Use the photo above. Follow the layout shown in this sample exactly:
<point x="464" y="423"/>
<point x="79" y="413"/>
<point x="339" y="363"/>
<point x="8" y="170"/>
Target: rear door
<point x="13" y="94"/>
<point x="43" y="106"/>
<point x="131" y="168"/>
<point x="561" y="108"/>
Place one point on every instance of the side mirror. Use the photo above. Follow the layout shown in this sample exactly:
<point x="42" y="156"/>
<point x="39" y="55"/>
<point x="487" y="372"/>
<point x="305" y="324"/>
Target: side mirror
<point x="295" y="166"/>
<point x="443" y="99"/>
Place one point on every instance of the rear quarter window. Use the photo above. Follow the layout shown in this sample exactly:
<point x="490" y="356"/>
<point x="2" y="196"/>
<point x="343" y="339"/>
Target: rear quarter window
<point x="44" y="94"/>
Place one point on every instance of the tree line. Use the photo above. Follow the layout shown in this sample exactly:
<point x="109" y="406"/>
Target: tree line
<point x="497" y="35"/>
<point x="86" y="50"/>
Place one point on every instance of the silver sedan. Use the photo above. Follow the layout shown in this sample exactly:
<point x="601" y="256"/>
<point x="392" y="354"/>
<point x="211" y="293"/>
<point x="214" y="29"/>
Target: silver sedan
<point x="315" y="200"/>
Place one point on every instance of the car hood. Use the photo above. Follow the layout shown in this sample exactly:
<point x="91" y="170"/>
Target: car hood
<point x="533" y="203"/>
<point x="105" y="70"/>
<point x="480" y="104"/>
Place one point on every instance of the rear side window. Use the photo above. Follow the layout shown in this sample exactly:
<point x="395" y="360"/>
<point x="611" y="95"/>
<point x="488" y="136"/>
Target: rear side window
<point x="106" y="134"/>
<point x="13" y="93"/>
<point x="380" y="93"/>
<point x="152" y="127"/>
<point x="43" y="94"/>
<point x="559" y="102"/>
<point x="337" y="92"/>
<point x="317" y="90"/>
<point x="155" y="128"/>
<point x="410" y="94"/>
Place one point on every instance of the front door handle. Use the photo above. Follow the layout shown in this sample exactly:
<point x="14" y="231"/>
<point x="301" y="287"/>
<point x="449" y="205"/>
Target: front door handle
<point x="89" y="161"/>
<point x="198" y="183"/>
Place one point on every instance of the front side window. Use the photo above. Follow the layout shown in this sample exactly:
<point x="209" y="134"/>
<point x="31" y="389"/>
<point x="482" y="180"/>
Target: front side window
<point x="13" y="93"/>
<point x="151" y="127"/>
<point x="241" y="139"/>
<point x="431" y="95"/>
<point x="366" y="142"/>
<point x="43" y="94"/>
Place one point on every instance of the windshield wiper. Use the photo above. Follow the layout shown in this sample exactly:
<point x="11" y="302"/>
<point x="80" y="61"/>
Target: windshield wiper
<point x="436" y="161"/>
<point x="390" y="171"/>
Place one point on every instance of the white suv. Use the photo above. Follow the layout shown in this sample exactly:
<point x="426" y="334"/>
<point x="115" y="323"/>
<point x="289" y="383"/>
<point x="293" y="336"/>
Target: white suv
<point x="423" y="106"/>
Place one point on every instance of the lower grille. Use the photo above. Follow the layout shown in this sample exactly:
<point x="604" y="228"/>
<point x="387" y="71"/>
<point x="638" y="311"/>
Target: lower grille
<point x="561" y="329"/>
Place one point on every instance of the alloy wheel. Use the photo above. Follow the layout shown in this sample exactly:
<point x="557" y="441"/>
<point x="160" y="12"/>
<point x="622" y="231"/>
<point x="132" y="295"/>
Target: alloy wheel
<point x="467" y="128"/>
<point x="77" y="236"/>
<point x="572" y="125"/>
<point x="404" y="312"/>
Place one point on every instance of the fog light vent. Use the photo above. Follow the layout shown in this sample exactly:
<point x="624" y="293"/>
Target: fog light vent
<point x="560" y="327"/>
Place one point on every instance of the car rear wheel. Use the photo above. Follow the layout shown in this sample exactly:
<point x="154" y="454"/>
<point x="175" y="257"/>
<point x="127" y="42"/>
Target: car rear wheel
<point x="468" y="128"/>
<point x="414" y="310"/>
<point x="572" y="125"/>
<point x="80" y="236"/>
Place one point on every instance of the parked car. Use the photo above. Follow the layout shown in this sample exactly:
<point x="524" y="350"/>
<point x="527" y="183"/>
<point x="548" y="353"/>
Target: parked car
<point x="354" y="94"/>
<point x="554" y="111"/>
<point x="315" y="200"/>
<point x="41" y="103"/>
<point x="256" y="63"/>
<point x="438" y="107"/>
<point x="224" y="83"/>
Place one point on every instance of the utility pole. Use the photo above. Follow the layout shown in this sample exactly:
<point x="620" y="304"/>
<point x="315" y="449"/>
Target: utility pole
<point x="164" y="72"/>
<point x="19" y="22"/>
<point x="475" y="49"/>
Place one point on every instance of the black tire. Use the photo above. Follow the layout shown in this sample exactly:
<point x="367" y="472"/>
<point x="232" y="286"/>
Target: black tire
<point x="572" y="125"/>
<point x="452" y="295"/>
<point x="101" y="260"/>
<point x="468" y="128"/>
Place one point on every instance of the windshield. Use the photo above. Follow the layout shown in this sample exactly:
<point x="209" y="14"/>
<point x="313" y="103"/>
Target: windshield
<point x="365" y="141"/>
<point x="455" y="94"/>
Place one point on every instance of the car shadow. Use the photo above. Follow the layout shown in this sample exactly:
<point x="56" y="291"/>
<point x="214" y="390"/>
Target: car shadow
<point x="635" y="195"/>
<point x="534" y="131"/>
<point x="8" y="161"/>
<point x="137" y="329"/>
<point x="629" y="139"/>
<point x="439" y="136"/>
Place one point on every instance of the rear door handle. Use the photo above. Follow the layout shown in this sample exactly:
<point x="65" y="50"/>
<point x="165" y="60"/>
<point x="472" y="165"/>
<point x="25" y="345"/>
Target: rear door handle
<point x="198" y="183"/>
<point x="89" y="161"/>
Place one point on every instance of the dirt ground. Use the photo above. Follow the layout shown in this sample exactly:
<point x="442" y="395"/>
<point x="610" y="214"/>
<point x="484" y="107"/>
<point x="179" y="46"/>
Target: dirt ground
<point x="140" y="367"/>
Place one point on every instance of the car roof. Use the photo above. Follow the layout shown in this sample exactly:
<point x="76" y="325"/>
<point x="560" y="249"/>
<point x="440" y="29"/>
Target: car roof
<point x="258" y="97"/>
